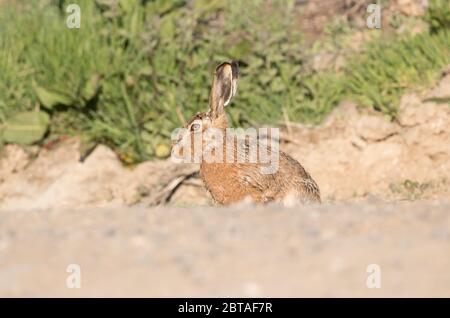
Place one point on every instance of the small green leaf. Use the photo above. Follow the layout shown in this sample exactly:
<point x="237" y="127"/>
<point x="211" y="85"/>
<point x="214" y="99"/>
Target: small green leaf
<point x="168" y="27"/>
<point x="91" y="87"/>
<point x="277" y="85"/>
<point x="240" y="50"/>
<point x="50" y="98"/>
<point x="128" y="5"/>
<point x="26" y="127"/>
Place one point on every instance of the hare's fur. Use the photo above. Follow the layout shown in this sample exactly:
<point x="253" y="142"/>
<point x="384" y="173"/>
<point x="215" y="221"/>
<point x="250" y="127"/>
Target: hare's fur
<point x="232" y="182"/>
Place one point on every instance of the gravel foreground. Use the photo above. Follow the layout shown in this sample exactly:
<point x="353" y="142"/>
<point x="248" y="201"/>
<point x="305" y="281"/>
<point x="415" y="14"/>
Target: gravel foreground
<point x="241" y="251"/>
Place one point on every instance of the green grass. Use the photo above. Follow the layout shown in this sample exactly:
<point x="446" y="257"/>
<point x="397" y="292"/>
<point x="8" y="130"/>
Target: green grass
<point x="130" y="75"/>
<point x="386" y="70"/>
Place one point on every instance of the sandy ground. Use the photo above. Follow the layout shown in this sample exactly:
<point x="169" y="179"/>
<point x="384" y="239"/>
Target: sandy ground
<point x="239" y="251"/>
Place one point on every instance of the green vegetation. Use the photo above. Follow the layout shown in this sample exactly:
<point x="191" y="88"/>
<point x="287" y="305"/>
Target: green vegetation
<point x="387" y="69"/>
<point x="414" y="190"/>
<point x="438" y="15"/>
<point x="135" y="70"/>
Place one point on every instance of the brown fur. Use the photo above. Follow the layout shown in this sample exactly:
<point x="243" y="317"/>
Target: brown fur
<point x="233" y="182"/>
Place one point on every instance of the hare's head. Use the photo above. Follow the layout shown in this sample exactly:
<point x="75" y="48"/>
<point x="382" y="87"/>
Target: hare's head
<point x="223" y="88"/>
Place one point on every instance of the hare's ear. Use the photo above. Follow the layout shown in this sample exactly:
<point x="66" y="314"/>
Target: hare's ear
<point x="224" y="87"/>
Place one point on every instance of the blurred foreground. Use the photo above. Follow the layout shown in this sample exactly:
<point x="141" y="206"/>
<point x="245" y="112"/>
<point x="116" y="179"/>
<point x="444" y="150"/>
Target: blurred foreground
<point x="241" y="251"/>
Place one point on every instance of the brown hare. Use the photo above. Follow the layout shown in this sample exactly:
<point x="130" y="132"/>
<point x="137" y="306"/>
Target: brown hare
<point x="230" y="182"/>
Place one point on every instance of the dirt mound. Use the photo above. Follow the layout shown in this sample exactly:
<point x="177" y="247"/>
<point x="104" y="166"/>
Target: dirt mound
<point x="57" y="178"/>
<point x="353" y="154"/>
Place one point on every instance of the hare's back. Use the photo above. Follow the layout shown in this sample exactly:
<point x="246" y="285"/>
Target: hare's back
<point x="297" y="180"/>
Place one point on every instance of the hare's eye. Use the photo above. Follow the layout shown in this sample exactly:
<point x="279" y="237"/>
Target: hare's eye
<point x="195" y="127"/>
